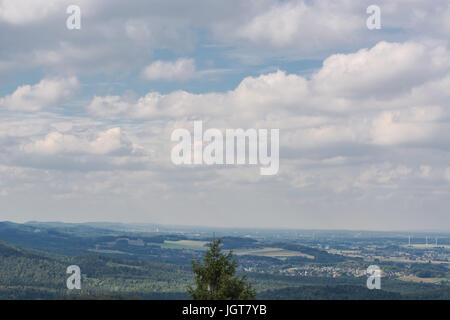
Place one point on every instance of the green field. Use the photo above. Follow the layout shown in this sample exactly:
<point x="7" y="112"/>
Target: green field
<point x="272" y="252"/>
<point x="429" y="246"/>
<point x="184" y="244"/>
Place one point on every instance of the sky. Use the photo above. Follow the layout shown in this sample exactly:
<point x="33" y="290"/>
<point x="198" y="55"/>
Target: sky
<point x="86" y="115"/>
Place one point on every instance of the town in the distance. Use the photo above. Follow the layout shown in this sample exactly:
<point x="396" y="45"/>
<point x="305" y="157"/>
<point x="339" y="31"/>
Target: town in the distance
<point x="149" y="261"/>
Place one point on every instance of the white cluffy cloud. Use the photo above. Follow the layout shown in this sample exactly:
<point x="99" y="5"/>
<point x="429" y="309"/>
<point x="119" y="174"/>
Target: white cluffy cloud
<point x="179" y="70"/>
<point x="384" y="69"/>
<point x="26" y="12"/>
<point x="45" y="94"/>
<point x="249" y="31"/>
<point x="306" y="25"/>
<point x="365" y="137"/>
<point x="22" y="11"/>
<point x="390" y="94"/>
<point x="55" y="142"/>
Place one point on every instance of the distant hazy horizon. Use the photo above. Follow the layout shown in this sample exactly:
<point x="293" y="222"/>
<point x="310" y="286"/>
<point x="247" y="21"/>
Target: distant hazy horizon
<point x="228" y="228"/>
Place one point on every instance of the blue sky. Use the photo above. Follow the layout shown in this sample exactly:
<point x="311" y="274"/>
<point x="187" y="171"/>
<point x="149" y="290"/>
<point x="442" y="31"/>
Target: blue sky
<point x="86" y="115"/>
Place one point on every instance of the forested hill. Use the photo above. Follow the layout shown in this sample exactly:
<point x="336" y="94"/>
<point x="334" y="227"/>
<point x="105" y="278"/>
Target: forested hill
<point x="30" y="274"/>
<point x="342" y="292"/>
<point x="349" y="292"/>
<point x="27" y="274"/>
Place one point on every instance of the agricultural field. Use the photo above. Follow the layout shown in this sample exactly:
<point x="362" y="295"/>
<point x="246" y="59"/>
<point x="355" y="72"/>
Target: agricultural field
<point x="429" y="246"/>
<point x="272" y="253"/>
<point x="412" y="278"/>
<point x="185" y="244"/>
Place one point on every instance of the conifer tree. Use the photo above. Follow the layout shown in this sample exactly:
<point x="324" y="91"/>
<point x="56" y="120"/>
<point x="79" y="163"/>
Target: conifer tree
<point x="215" y="279"/>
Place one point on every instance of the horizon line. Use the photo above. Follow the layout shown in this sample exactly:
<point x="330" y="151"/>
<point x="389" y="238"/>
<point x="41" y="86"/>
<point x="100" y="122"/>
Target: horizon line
<point x="233" y="227"/>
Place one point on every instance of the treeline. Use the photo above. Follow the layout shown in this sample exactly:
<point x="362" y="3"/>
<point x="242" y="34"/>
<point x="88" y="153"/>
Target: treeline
<point x="348" y="292"/>
<point x="341" y="292"/>
<point x="319" y="255"/>
<point x="29" y="274"/>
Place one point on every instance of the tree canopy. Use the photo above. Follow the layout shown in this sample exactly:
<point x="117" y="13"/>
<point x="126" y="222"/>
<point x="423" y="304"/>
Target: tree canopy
<point x="215" y="278"/>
